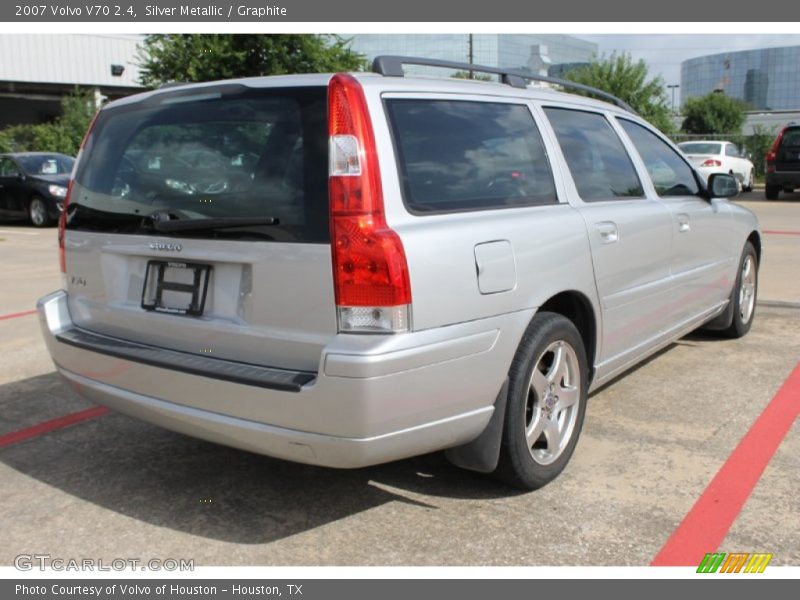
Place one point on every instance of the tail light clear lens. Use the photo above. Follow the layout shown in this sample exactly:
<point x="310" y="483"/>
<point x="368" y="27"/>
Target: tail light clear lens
<point x="370" y="271"/>
<point x="62" y="219"/>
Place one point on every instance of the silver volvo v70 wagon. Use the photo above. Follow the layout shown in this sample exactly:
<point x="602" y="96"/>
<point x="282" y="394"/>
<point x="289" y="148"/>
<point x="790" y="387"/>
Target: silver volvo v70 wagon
<point x="350" y="269"/>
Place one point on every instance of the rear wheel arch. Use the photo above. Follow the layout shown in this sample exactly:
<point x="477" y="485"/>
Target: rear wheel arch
<point x="576" y="307"/>
<point x="483" y="453"/>
<point x="755" y="239"/>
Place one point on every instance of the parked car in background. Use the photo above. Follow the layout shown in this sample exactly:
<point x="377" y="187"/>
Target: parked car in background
<point x="713" y="156"/>
<point x="783" y="163"/>
<point x="351" y="269"/>
<point x="34" y="185"/>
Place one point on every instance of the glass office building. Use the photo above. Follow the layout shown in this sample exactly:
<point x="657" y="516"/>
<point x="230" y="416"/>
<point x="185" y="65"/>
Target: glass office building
<point x="519" y="51"/>
<point x="768" y="78"/>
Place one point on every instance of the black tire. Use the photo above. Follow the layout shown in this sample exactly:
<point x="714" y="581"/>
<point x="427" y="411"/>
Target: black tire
<point x="750" y="182"/>
<point x="772" y="191"/>
<point x="517" y="465"/>
<point x="744" y="302"/>
<point x="38" y="214"/>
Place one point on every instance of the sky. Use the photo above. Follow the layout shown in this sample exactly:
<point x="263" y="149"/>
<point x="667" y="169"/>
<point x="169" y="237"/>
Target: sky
<point x="664" y="52"/>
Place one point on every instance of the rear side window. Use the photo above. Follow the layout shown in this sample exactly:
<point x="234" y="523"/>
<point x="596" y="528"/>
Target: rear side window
<point x="791" y="138"/>
<point x="461" y="155"/>
<point x="670" y="174"/>
<point x="600" y="166"/>
<point x="209" y="153"/>
<point x="731" y="150"/>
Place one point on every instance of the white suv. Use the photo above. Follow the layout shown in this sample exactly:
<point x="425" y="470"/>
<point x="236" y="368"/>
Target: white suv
<point x="351" y="269"/>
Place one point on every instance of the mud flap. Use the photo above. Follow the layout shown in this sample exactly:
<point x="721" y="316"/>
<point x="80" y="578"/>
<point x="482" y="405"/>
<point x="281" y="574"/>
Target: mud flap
<point x="722" y="321"/>
<point x="482" y="453"/>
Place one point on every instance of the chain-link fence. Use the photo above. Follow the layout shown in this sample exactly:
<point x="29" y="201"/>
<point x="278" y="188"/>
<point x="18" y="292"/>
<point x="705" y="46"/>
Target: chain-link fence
<point x="754" y="146"/>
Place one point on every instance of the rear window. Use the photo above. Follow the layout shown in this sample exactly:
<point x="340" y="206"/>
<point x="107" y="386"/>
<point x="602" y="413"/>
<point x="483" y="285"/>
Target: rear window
<point x="209" y="153"/>
<point x="700" y="148"/>
<point x="791" y="137"/>
<point x="462" y="155"/>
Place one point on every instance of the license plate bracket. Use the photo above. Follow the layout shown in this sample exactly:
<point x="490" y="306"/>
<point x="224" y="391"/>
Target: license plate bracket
<point x="175" y="287"/>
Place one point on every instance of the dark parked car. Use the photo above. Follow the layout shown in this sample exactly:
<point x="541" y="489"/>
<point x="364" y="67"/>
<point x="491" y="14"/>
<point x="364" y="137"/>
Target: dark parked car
<point x="34" y="184"/>
<point x="783" y="163"/>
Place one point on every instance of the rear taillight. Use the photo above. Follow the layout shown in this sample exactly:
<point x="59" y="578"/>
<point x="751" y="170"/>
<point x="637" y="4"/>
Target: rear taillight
<point x="62" y="226"/>
<point x="772" y="153"/>
<point x="711" y="162"/>
<point x="370" y="272"/>
<point x="62" y="219"/>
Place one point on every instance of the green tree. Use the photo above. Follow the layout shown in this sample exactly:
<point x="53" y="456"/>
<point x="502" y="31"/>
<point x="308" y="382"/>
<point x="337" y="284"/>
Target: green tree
<point x="62" y="135"/>
<point x="208" y="57"/>
<point x="713" y="113"/>
<point x="475" y="76"/>
<point x="628" y="81"/>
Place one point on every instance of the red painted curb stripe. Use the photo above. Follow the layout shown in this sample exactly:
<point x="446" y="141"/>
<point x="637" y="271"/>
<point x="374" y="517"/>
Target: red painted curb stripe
<point x="780" y="232"/>
<point x="41" y="428"/>
<point x="705" y="526"/>
<point x="19" y="314"/>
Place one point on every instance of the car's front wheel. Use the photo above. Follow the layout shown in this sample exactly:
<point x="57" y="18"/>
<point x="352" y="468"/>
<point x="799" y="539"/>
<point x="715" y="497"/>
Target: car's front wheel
<point x="37" y="212"/>
<point x="751" y="180"/>
<point x="548" y="387"/>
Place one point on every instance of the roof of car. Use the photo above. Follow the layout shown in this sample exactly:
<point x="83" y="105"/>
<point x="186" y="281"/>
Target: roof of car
<point x="388" y="84"/>
<point x="705" y="142"/>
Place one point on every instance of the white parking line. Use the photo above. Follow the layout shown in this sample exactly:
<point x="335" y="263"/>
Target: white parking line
<point x="18" y="232"/>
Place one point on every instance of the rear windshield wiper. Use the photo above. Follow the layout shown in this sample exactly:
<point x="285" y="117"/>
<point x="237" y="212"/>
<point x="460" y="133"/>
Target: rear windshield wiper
<point x="166" y="225"/>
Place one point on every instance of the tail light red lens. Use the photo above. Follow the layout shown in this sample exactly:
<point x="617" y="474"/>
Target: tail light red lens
<point x="711" y="162"/>
<point x="370" y="270"/>
<point x="62" y="219"/>
<point x="62" y="226"/>
<point x="772" y="154"/>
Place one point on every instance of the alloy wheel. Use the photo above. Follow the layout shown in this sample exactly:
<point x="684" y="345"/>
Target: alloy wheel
<point x="552" y="407"/>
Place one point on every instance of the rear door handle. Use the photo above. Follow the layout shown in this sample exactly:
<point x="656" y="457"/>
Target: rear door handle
<point x="683" y="223"/>
<point x="608" y="232"/>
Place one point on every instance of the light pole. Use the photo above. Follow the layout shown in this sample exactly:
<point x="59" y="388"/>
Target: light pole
<point x="673" y="87"/>
<point x="471" y="55"/>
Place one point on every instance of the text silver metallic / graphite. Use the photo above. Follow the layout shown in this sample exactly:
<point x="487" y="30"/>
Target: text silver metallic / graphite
<point x="214" y="10"/>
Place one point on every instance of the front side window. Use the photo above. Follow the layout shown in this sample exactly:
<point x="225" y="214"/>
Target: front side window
<point x="670" y="174"/>
<point x="457" y="155"/>
<point x="47" y="164"/>
<point x="600" y="166"/>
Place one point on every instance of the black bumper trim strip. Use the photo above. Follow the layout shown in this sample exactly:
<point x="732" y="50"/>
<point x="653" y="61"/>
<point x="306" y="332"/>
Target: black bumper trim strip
<point x="213" y="368"/>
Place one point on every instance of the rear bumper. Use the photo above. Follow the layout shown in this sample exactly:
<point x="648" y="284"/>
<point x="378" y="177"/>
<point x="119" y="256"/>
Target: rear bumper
<point x="783" y="178"/>
<point x="374" y="399"/>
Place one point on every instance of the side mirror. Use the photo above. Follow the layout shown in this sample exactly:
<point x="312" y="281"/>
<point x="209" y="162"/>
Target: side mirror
<point x="722" y="185"/>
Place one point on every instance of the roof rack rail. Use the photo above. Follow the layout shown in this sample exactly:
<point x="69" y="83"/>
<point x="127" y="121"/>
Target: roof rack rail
<point x="392" y="66"/>
<point x="172" y="84"/>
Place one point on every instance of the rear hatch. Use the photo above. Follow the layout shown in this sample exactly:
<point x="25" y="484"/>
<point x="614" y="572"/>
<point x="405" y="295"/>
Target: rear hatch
<point x="788" y="154"/>
<point x="198" y="221"/>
